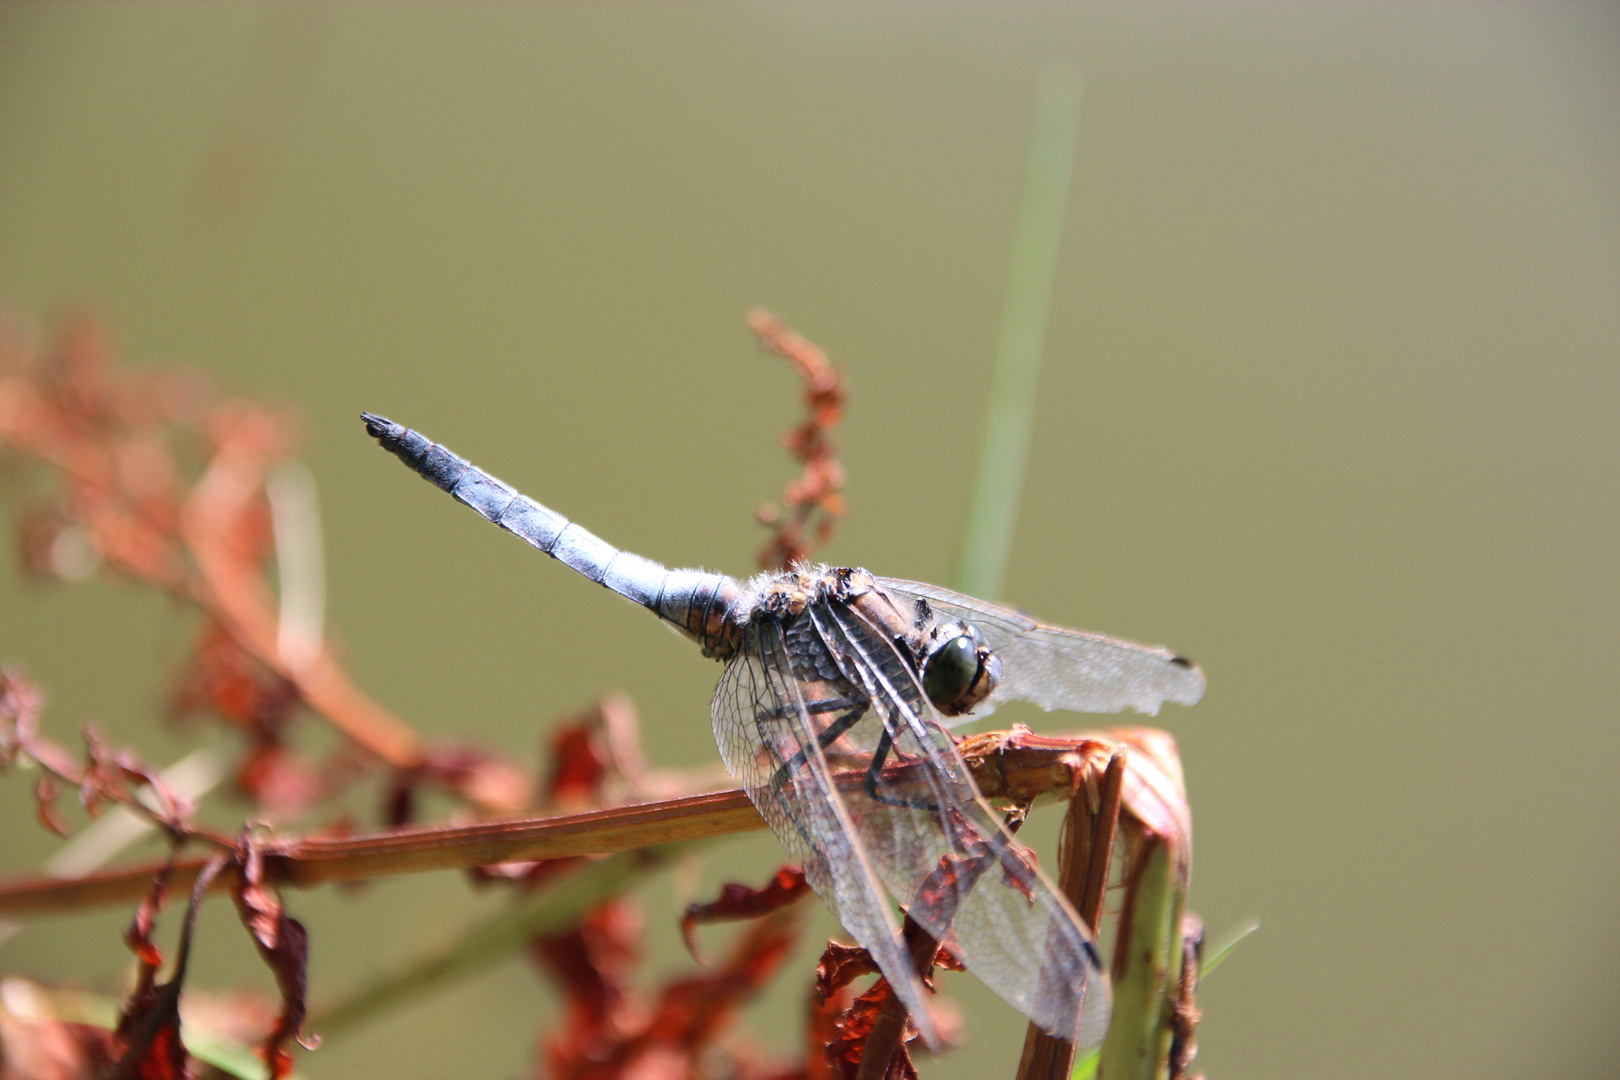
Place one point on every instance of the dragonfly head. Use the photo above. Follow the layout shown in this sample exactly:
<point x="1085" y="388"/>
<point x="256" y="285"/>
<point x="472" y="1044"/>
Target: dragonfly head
<point x="958" y="668"/>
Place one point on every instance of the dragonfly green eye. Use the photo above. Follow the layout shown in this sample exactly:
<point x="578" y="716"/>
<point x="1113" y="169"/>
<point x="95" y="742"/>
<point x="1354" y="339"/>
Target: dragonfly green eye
<point x="959" y="674"/>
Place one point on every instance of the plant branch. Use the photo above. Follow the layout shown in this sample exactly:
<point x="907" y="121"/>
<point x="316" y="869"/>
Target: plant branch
<point x="1015" y="765"/>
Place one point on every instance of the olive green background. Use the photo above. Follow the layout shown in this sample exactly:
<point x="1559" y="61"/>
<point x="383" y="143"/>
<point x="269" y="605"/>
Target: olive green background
<point x="1329" y="403"/>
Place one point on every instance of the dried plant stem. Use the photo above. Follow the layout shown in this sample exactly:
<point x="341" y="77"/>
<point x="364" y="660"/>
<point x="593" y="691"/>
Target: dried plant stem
<point x="1184" y="1013"/>
<point x="812" y="503"/>
<point x="1015" y="765"/>
<point x="308" y="863"/>
<point x="1086" y="852"/>
<point x="889" y="1028"/>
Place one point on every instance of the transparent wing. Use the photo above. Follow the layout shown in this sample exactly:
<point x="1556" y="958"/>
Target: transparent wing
<point x="1057" y="668"/>
<point x="944" y="853"/>
<point x="768" y="739"/>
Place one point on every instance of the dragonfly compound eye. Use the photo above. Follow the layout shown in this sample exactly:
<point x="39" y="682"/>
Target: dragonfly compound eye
<point x="959" y="674"/>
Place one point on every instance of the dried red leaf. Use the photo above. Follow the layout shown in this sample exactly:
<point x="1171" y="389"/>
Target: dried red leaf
<point x="45" y="793"/>
<point x="787" y="886"/>
<point x="280" y="782"/>
<point x="593" y="752"/>
<point x="811" y="504"/>
<point x="825" y="1014"/>
<point x="149" y="1025"/>
<point x="283" y="945"/>
<point x="839" y="966"/>
<point x="578" y="765"/>
<point x="99" y="782"/>
<point x="691" y="1012"/>
<point x="139" y="935"/>
<point x="469" y="772"/>
<point x="878" y="1010"/>
<point x="595" y="964"/>
<point x="845" y="1051"/>
<point x="678" y="1035"/>
<point x="21" y="702"/>
<point x="223" y="678"/>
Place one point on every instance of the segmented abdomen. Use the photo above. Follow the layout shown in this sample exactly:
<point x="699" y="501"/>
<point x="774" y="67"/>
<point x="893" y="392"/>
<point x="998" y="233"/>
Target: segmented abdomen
<point x="695" y="601"/>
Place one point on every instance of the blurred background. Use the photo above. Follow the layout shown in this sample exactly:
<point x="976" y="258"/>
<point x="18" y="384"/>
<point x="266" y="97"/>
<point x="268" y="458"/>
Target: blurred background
<point x="1328" y="403"/>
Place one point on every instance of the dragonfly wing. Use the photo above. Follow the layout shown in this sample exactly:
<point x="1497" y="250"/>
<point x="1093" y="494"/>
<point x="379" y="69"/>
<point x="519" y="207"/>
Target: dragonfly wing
<point x="1057" y="668"/>
<point x="768" y="740"/>
<point x="945" y="854"/>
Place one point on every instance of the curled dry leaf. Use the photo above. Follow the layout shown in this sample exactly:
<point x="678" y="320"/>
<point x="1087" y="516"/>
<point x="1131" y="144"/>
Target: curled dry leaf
<point x="1155" y="791"/>
<point x="283" y="945"/>
<point x="839" y="966"/>
<point x="45" y="793"/>
<point x="148" y="1034"/>
<point x="787" y="886"/>
<point x="682" y="1030"/>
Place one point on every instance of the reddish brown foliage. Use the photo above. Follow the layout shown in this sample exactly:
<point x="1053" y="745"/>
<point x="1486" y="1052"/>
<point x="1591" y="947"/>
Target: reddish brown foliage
<point x="787" y="886"/>
<point x="41" y="1046"/>
<point x="813" y="503"/>
<point x="226" y="680"/>
<point x="855" y="1031"/>
<point x="105" y="776"/>
<point x="608" y="1036"/>
<point x="161" y="480"/>
<point x="283" y="944"/>
<point x="594" y="964"/>
<point x="849" y="1037"/>
<point x="148" y="1032"/>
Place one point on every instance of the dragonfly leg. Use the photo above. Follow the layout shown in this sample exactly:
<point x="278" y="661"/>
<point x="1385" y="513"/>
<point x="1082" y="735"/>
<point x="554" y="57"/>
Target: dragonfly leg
<point x="826" y="737"/>
<point x="874" y="771"/>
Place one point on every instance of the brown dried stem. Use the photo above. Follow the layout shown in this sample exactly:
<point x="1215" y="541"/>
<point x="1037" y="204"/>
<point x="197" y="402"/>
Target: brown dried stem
<point x="1084" y="856"/>
<point x="1013" y="765"/>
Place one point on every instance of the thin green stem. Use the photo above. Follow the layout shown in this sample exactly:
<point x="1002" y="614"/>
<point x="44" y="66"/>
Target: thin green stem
<point x="983" y="561"/>
<point x="1138" y="1041"/>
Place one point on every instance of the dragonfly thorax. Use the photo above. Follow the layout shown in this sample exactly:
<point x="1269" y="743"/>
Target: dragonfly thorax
<point x="784" y="594"/>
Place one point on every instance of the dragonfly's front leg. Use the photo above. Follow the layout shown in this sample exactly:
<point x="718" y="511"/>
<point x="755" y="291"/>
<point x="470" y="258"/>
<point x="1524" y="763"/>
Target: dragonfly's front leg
<point x="874" y="772"/>
<point x="826" y="737"/>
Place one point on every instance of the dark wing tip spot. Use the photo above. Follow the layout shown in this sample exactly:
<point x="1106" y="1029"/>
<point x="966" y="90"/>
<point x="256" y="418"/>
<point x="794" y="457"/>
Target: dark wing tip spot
<point x="1182" y="661"/>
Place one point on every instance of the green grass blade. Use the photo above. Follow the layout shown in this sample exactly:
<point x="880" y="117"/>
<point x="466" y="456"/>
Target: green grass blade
<point x="1213" y="958"/>
<point x="982" y="564"/>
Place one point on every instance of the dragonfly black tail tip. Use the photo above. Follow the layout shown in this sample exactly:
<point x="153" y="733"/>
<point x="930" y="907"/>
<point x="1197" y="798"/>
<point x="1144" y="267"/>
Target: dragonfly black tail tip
<point x="380" y="427"/>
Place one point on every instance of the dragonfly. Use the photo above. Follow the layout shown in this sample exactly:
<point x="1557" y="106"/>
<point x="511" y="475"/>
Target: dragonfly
<point x="833" y="713"/>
